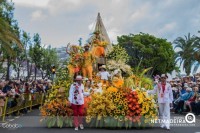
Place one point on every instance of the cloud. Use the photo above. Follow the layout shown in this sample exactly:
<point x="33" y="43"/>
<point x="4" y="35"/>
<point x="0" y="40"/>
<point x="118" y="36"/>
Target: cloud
<point x="62" y="6"/>
<point x="38" y="15"/>
<point x="59" y="22"/>
<point x="140" y="13"/>
<point x="113" y="33"/>
<point x="36" y="3"/>
<point x="167" y="28"/>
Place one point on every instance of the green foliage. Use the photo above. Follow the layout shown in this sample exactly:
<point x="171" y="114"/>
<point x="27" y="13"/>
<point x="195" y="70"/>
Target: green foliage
<point x="187" y="49"/>
<point x="62" y="74"/>
<point x="59" y="121"/>
<point x="49" y="59"/>
<point x="148" y="51"/>
<point x="118" y="53"/>
<point x="8" y="34"/>
<point x="36" y="52"/>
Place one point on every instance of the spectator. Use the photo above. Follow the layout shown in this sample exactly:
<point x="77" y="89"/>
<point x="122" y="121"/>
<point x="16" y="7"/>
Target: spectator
<point x="2" y="101"/>
<point x="7" y="87"/>
<point x="26" y="88"/>
<point x="181" y="100"/>
<point x="183" y="90"/>
<point x="175" y="91"/>
<point x="192" y="99"/>
<point x="196" y="106"/>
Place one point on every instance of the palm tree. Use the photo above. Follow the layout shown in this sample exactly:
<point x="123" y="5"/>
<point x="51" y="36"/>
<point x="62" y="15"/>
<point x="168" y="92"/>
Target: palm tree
<point x="8" y="36"/>
<point x="186" y="51"/>
<point x="197" y="54"/>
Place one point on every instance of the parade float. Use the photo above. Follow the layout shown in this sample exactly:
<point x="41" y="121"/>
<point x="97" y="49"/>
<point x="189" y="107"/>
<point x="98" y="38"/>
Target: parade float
<point x="120" y="102"/>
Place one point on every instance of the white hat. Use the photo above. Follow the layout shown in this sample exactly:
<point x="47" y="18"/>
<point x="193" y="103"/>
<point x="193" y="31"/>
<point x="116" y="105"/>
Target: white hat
<point x="116" y="71"/>
<point x="79" y="77"/>
<point x="185" y="85"/>
<point x="49" y="81"/>
<point x="103" y="66"/>
<point x="163" y="76"/>
<point x="86" y="79"/>
<point x="189" y="89"/>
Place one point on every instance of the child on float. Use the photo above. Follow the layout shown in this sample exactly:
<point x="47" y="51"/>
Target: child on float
<point x="117" y="80"/>
<point x="104" y="75"/>
<point x="87" y="92"/>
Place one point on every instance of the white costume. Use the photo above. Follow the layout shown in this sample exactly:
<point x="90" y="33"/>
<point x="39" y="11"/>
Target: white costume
<point x="99" y="89"/>
<point x="164" y="100"/>
<point x="104" y="75"/>
<point x="76" y="94"/>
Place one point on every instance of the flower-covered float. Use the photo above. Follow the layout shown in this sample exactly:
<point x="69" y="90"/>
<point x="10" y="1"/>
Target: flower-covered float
<point x="121" y="101"/>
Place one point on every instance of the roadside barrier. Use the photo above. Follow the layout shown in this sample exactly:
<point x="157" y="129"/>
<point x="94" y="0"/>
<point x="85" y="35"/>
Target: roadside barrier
<point x="23" y="102"/>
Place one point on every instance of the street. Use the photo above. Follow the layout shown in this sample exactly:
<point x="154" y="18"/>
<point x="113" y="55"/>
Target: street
<point x="31" y="123"/>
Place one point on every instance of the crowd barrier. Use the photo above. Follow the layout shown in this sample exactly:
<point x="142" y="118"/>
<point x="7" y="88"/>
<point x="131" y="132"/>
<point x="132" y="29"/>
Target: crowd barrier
<point x="23" y="102"/>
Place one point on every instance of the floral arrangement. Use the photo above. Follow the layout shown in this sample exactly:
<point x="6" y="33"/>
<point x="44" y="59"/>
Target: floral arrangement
<point x="118" y="108"/>
<point x="100" y="106"/>
<point x="148" y="106"/>
<point x="111" y="89"/>
<point x="134" y="109"/>
<point x="121" y="104"/>
<point x="113" y="65"/>
<point x="57" y="112"/>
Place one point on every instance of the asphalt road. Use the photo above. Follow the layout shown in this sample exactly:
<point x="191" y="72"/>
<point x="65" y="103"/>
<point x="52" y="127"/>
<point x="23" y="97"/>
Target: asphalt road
<point x="30" y="123"/>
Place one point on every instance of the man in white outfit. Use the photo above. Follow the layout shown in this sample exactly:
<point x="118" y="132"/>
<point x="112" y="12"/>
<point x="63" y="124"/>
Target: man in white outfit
<point x="165" y="98"/>
<point x="76" y="98"/>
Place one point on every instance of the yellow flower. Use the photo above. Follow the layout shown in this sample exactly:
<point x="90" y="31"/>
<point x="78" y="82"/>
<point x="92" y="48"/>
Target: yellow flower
<point x="116" y="117"/>
<point x="118" y="111"/>
<point x="121" y="103"/>
<point x="99" y="117"/>
<point x="151" y="112"/>
<point x="123" y="113"/>
<point x="116" y="100"/>
<point x="112" y="89"/>
<point x="146" y="121"/>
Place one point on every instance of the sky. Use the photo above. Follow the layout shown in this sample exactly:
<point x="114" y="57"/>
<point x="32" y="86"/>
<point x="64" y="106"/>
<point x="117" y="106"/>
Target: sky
<point x="62" y="21"/>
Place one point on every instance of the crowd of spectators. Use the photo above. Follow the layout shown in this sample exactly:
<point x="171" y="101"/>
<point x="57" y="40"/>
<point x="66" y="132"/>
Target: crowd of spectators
<point x="16" y="89"/>
<point x="186" y="93"/>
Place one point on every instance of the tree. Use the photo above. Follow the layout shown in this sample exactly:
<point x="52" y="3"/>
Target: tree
<point x="26" y="41"/>
<point x="49" y="59"/>
<point x="7" y="32"/>
<point x="186" y="51"/>
<point x="118" y="53"/>
<point x="36" y="52"/>
<point x="148" y="51"/>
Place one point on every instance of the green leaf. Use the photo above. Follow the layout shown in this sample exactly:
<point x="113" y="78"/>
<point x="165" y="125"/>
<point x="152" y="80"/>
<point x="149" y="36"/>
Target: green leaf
<point x="71" y="121"/>
<point x="92" y="123"/>
<point x="97" y="123"/>
<point x="127" y="124"/>
<point x="130" y="124"/>
<point x="101" y="122"/>
<point x="60" y="122"/>
<point x="66" y="121"/>
<point x="107" y="121"/>
<point x="51" y="122"/>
